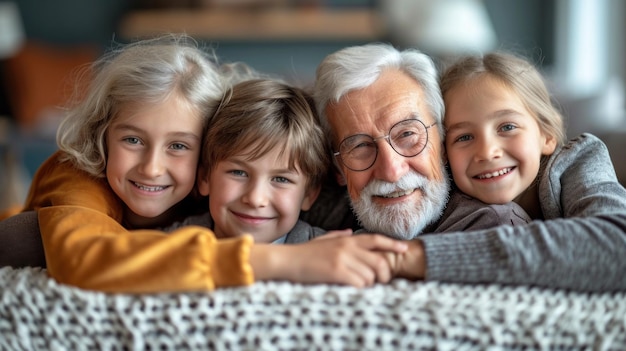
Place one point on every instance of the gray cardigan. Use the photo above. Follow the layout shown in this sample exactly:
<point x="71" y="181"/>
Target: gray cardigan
<point x="580" y="245"/>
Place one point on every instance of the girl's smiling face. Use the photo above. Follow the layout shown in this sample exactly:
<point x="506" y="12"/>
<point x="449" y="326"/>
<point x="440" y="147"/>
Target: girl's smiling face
<point x="493" y="142"/>
<point x="152" y="157"/>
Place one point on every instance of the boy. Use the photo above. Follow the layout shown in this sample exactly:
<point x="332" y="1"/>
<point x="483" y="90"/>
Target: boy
<point x="263" y="161"/>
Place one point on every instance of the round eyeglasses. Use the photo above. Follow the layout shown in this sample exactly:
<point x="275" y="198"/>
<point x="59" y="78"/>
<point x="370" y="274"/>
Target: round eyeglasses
<point x="408" y="138"/>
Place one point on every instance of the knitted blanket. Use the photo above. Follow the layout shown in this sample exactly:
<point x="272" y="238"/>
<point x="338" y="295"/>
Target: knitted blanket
<point x="37" y="313"/>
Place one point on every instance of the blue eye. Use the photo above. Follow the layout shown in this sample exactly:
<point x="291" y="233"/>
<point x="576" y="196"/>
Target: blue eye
<point x="462" y="138"/>
<point x="238" y="173"/>
<point x="281" y="180"/>
<point x="362" y="147"/>
<point x="358" y="144"/>
<point x="507" y="127"/>
<point x="132" y="140"/>
<point x="406" y="134"/>
<point x="405" y="130"/>
<point x="179" y="146"/>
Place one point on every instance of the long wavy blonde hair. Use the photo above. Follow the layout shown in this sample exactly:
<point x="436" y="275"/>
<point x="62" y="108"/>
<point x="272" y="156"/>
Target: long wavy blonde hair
<point x="144" y="72"/>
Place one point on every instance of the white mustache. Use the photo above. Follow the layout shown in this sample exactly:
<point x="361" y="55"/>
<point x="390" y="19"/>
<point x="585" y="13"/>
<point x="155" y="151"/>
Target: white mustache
<point x="409" y="181"/>
<point x="404" y="220"/>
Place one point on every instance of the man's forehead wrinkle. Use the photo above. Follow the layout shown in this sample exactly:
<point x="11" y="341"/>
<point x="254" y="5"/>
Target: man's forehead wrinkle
<point x="350" y="108"/>
<point x="418" y="100"/>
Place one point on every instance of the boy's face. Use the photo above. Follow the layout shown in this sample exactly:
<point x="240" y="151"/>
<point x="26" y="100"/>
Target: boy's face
<point x="153" y="154"/>
<point x="261" y="197"/>
<point x="494" y="144"/>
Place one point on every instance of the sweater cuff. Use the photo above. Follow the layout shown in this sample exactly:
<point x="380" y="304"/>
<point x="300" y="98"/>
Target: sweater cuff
<point x="230" y="265"/>
<point x="462" y="257"/>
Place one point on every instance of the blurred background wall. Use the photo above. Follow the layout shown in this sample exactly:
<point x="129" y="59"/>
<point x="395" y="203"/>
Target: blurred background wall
<point x="579" y="44"/>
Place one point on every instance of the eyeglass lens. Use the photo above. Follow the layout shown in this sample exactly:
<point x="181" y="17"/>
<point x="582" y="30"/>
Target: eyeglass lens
<point x="408" y="138"/>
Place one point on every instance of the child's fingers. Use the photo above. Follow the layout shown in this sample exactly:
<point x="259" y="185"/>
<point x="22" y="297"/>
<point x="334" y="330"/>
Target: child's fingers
<point x="378" y="265"/>
<point x="383" y="269"/>
<point x="358" y="260"/>
<point x="361" y="259"/>
<point x="393" y="262"/>
<point x="359" y="275"/>
<point x="335" y="234"/>
<point x="367" y="267"/>
<point x="381" y="243"/>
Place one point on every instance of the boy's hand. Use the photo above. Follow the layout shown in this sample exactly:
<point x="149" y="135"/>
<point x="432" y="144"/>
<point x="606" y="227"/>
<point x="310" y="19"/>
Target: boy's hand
<point x="352" y="260"/>
<point x="334" y="234"/>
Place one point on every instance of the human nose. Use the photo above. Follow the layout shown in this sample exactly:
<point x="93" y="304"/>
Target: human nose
<point x="256" y="195"/>
<point x="389" y="165"/>
<point x="487" y="149"/>
<point x="386" y="138"/>
<point x="153" y="164"/>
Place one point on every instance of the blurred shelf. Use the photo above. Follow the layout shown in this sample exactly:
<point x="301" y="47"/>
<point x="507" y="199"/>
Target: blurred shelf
<point x="269" y="24"/>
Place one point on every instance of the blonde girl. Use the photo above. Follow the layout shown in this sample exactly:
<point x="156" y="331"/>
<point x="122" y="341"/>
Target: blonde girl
<point x="505" y="141"/>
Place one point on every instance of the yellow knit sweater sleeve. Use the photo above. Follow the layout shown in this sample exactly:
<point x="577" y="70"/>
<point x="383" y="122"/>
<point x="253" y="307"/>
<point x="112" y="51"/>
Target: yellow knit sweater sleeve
<point x="86" y="246"/>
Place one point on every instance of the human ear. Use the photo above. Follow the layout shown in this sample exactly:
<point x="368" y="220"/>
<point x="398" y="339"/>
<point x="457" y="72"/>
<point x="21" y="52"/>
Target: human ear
<point x="549" y="145"/>
<point x="340" y="178"/>
<point x="203" y="182"/>
<point x="337" y="171"/>
<point x="310" y="197"/>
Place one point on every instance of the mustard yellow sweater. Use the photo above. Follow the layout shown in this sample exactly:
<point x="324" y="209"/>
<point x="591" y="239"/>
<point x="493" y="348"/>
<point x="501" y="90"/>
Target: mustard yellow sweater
<point x="86" y="245"/>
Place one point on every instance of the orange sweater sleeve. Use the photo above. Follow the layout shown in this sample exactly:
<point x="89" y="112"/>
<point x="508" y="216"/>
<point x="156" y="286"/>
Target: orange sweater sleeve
<point x="86" y="246"/>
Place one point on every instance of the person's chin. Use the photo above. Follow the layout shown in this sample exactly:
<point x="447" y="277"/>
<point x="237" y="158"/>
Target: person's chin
<point x="402" y="219"/>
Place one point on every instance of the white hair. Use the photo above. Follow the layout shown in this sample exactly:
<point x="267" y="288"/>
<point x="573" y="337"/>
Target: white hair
<point x="358" y="67"/>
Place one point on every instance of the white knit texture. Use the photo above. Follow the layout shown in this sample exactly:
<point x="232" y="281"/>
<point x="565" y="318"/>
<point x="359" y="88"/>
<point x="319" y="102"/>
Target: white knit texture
<point x="36" y="313"/>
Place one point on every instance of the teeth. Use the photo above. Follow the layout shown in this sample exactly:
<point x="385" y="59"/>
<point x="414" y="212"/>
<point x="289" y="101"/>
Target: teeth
<point x="495" y="174"/>
<point x="398" y="194"/>
<point x="149" y="188"/>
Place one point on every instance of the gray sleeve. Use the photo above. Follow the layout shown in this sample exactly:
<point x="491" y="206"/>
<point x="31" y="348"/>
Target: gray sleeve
<point x="466" y="213"/>
<point x="581" y="245"/>
<point x="303" y="232"/>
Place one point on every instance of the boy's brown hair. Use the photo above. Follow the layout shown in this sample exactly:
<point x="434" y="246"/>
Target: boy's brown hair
<point x="263" y="114"/>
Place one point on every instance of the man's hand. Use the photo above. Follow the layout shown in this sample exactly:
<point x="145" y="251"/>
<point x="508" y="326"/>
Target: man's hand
<point x="410" y="264"/>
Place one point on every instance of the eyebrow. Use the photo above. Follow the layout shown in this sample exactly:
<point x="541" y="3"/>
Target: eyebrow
<point x="412" y="115"/>
<point x="495" y="115"/>
<point x="179" y="134"/>
<point x="239" y="160"/>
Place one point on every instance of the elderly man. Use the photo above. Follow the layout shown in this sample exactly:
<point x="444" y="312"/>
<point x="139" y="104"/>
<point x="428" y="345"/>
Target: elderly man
<point x="383" y="109"/>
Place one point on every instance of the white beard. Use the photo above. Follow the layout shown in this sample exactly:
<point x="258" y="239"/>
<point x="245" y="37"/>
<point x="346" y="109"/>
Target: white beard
<point x="404" y="220"/>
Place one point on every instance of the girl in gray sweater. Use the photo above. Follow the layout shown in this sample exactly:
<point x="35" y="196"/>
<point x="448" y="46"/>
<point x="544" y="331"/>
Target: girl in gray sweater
<point x="500" y="126"/>
<point x="505" y="142"/>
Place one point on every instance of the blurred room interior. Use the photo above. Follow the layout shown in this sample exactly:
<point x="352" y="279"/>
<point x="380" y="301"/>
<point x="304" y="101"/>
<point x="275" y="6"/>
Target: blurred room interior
<point x="578" y="44"/>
